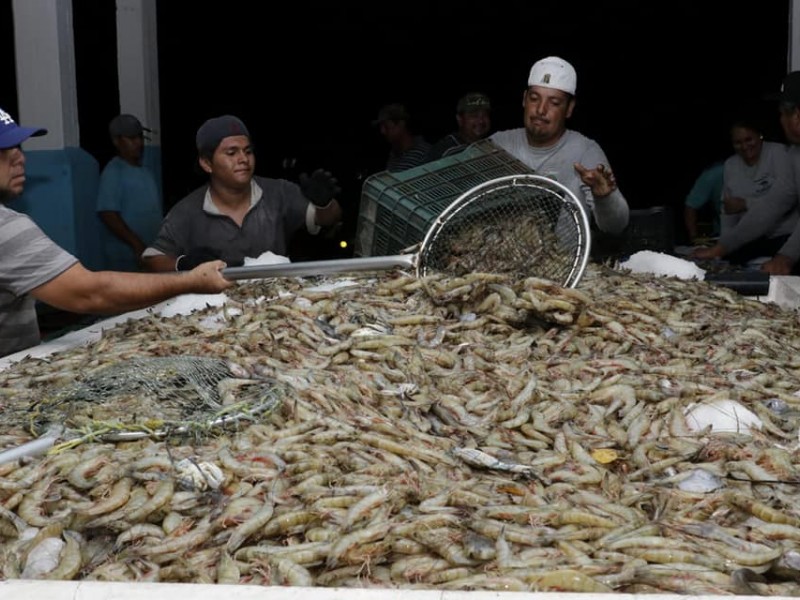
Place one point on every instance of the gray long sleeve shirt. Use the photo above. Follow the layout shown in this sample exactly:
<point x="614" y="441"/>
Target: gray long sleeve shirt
<point x="611" y="213"/>
<point x="774" y="208"/>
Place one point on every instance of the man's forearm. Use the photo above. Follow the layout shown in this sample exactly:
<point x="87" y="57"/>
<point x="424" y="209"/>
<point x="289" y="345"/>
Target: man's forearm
<point x="760" y="219"/>
<point x="611" y="212"/>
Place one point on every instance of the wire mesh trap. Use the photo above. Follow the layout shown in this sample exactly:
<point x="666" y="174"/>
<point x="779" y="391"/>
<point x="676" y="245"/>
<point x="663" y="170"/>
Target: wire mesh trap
<point x="521" y="225"/>
<point x="150" y="397"/>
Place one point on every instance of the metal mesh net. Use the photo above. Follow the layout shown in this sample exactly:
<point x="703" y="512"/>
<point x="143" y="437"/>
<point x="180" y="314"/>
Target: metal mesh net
<point x="151" y="396"/>
<point x="522" y="226"/>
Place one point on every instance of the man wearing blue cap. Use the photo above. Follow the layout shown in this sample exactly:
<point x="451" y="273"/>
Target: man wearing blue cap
<point x="239" y="214"/>
<point x="33" y="267"/>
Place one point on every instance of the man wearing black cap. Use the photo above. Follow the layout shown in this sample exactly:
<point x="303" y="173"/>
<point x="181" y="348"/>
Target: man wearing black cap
<point x="779" y="202"/>
<point x="33" y="267"/>
<point x="239" y="214"/>
<point x="128" y="199"/>
<point x="473" y="116"/>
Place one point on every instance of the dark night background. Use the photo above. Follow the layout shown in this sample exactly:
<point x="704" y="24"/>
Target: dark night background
<point x="658" y="83"/>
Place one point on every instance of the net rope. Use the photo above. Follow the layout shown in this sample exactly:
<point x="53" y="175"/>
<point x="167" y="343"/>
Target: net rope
<point x="149" y="395"/>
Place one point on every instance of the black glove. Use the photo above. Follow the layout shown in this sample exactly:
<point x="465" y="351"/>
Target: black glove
<point x="234" y="259"/>
<point x="195" y="257"/>
<point x="320" y="188"/>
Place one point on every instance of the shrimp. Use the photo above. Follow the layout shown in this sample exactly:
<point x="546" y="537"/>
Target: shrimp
<point x="177" y="543"/>
<point x="759" y="509"/>
<point x="361" y="508"/>
<point x="227" y="569"/>
<point x="292" y="573"/>
<point x="118" y="496"/>
<point x="564" y="580"/>
<point x="159" y="499"/>
<point x="137" y="532"/>
<point x="70" y="560"/>
<point x="250" y="526"/>
<point x="353" y="539"/>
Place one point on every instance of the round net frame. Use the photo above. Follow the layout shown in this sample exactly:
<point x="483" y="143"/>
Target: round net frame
<point x="149" y="397"/>
<point x="521" y="225"/>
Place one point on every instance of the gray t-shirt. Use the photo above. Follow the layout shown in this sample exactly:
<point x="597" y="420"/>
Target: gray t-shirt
<point x="278" y="210"/>
<point x="778" y="205"/>
<point x="753" y="183"/>
<point x="29" y="259"/>
<point x="557" y="162"/>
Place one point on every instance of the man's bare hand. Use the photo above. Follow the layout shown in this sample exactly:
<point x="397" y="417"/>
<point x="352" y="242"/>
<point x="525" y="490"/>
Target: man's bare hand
<point x="600" y="179"/>
<point x="208" y="277"/>
<point x="733" y="205"/>
<point x="778" y="265"/>
<point x="715" y="251"/>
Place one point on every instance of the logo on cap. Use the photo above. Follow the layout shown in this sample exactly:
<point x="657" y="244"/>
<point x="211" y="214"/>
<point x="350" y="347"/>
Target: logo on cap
<point x="5" y="118"/>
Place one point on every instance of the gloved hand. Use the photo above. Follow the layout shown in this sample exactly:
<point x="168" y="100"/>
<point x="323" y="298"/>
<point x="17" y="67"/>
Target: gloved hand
<point x="321" y="187"/>
<point x="194" y="257"/>
<point x="234" y="259"/>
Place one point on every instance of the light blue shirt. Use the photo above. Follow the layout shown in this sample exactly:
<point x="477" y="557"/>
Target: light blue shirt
<point x="132" y="192"/>
<point x="707" y="188"/>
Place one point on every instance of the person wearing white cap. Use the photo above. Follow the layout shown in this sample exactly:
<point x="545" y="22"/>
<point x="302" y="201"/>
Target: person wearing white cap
<point x="33" y="267"/>
<point x="550" y="149"/>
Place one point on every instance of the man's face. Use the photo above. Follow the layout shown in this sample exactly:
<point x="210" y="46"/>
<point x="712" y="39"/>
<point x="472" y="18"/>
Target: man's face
<point x="474" y="125"/>
<point x="790" y="122"/>
<point x="392" y="131"/>
<point x="545" y="114"/>
<point x="233" y="162"/>
<point x="746" y="143"/>
<point x="12" y="173"/>
<point x="130" y="148"/>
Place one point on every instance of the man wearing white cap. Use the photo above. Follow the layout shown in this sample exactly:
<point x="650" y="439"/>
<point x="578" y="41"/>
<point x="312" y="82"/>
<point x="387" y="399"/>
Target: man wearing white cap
<point x="550" y="149"/>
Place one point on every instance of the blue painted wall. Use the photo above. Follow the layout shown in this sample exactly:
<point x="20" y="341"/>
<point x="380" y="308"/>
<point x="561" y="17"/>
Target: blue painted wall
<point x="61" y="197"/>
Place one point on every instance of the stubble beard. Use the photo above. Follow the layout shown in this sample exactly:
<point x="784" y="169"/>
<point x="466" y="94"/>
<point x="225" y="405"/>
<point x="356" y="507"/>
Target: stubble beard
<point x="6" y="195"/>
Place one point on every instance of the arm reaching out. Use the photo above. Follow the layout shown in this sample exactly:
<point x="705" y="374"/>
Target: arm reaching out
<point x="80" y="290"/>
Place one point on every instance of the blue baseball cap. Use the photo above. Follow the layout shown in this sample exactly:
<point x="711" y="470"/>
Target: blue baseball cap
<point x="12" y="135"/>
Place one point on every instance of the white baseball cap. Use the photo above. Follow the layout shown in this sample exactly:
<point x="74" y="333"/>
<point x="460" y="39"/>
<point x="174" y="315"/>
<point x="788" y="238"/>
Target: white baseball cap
<point x="554" y="72"/>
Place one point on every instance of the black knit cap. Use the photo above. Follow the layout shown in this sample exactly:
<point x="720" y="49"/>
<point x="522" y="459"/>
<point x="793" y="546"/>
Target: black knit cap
<point x="213" y="131"/>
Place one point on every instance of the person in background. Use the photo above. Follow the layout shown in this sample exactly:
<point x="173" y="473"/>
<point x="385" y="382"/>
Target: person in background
<point x="406" y="148"/>
<point x="748" y="176"/>
<point x="546" y="145"/>
<point x="473" y="116"/>
<point x="128" y="198"/>
<point x="239" y="214"/>
<point x="758" y="231"/>
<point x="705" y="195"/>
<point x="33" y="267"/>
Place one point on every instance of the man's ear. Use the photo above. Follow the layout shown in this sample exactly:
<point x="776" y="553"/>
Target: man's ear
<point x="205" y="164"/>
<point x="570" y="107"/>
